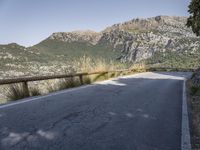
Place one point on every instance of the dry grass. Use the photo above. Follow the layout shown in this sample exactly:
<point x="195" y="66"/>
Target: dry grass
<point x="63" y="84"/>
<point x="19" y="91"/>
<point x="86" y="64"/>
<point x="87" y="80"/>
<point x="140" y="67"/>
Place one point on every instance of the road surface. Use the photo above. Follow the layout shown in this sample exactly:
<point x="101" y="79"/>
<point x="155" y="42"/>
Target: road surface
<point x="137" y="112"/>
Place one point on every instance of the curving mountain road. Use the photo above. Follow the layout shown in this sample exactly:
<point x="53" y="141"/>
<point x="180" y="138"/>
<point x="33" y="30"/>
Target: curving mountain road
<point x="137" y="112"/>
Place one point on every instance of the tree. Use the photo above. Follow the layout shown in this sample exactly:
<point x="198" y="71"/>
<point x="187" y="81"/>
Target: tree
<point x="194" y="20"/>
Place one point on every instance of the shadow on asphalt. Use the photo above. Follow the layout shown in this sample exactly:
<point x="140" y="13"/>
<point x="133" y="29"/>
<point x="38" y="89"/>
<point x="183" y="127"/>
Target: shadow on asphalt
<point x="120" y="114"/>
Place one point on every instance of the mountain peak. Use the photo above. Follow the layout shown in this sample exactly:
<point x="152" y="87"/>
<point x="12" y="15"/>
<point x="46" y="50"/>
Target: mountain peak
<point x="89" y="32"/>
<point x="151" y="23"/>
<point x="76" y="36"/>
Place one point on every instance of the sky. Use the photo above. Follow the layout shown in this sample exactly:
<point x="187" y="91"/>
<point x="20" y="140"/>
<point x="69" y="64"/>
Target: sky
<point x="27" y="22"/>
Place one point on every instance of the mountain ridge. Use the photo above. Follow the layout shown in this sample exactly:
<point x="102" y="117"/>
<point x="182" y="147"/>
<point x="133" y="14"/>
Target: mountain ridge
<point x="155" y="41"/>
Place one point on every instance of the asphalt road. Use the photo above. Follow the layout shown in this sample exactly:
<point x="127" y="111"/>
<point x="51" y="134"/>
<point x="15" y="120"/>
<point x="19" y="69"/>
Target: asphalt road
<point x="138" y="112"/>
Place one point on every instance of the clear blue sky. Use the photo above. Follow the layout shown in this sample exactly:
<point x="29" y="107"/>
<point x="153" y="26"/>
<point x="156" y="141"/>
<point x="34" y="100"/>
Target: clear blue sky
<point x="27" y="22"/>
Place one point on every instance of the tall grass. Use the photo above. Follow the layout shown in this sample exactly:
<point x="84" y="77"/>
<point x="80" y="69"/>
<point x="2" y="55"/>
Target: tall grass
<point x="19" y="91"/>
<point x="138" y="67"/>
<point x="63" y="84"/>
<point x="87" y="79"/>
<point x="68" y="83"/>
<point x="85" y="64"/>
<point x="34" y="91"/>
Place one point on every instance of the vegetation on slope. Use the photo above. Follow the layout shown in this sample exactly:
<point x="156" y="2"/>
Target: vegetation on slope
<point x="174" y="59"/>
<point x="18" y="91"/>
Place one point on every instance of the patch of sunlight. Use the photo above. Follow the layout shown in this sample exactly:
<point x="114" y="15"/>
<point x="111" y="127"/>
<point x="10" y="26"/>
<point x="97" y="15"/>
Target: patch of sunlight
<point x="162" y="75"/>
<point x="112" y="82"/>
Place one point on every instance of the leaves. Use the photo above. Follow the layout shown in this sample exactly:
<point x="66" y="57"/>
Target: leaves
<point x="194" y="20"/>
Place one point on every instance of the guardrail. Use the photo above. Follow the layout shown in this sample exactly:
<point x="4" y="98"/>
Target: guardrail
<point x="25" y="80"/>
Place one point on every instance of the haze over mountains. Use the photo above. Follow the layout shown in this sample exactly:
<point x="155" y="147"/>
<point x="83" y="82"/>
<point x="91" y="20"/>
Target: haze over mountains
<point x="157" y="41"/>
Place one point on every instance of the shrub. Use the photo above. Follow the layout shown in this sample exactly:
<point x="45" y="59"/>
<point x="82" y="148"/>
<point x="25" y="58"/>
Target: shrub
<point x="86" y="64"/>
<point x="34" y="91"/>
<point x="87" y="80"/>
<point x="16" y="91"/>
<point x="67" y="83"/>
<point x="194" y="90"/>
<point x="138" y="67"/>
<point x="100" y="77"/>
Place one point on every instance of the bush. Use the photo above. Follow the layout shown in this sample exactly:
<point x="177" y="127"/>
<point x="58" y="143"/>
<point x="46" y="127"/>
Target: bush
<point x="100" y="77"/>
<point x="87" y="80"/>
<point x="63" y="84"/>
<point x="194" y="90"/>
<point x="16" y="91"/>
<point x="19" y="91"/>
<point x="34" y="91"/>
<point x="86" y="64"/>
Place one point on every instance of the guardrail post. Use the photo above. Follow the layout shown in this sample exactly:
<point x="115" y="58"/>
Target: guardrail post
<point x="81" y="79"/>
<point x="25" y="87"/>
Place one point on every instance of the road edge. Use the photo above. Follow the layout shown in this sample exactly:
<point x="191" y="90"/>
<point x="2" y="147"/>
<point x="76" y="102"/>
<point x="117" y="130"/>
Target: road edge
<point x="29" y="99"/>
<point x="185" y="130"/>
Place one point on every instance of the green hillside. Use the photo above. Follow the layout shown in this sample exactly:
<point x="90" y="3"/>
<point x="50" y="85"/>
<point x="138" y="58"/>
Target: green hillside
<point x="75" y="50"/>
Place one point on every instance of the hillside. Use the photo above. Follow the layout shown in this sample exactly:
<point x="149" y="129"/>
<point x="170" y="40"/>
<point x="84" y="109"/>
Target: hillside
<point x="156" y="41"/>
<point x="152" y="39"/>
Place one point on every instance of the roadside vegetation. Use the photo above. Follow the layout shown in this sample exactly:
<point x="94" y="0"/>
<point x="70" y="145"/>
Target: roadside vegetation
<point x="19" y="91"/>
<point x="194" y="100"/>
<point x="174" y="60"/>
<point x="85" y="65"/>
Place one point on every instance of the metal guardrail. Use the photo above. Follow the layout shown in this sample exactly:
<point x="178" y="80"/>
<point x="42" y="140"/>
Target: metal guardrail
<point x="80" y="75"/>
<point x="39" y="78"/>
<point x="25" y="80"/>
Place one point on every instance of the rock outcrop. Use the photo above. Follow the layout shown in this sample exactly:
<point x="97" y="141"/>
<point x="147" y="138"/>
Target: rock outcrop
<point x="140" y="39"/>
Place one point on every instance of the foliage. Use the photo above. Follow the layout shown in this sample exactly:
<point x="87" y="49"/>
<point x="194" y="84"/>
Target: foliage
<point x="174" y="60"/>
<point x="16" y="91"/>
<point x="19" y="91"/>
<point x="194" y="19"/>
<point x="138" y="66"/>
<point x="34" y="91"/>
<point x="194" y="89"/>
<point x="89" y="64"/>
<point x="87" y="80"/>
<point x="63" y="84"/>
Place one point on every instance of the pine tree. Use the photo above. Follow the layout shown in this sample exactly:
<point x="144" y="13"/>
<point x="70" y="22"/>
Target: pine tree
<point x="194" y="19"/>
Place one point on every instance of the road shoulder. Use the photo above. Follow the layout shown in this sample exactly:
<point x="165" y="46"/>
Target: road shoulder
<point x="194" y="102"/>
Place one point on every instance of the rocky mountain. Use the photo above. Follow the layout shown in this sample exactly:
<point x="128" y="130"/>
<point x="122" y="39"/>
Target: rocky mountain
<point x="157" y="41"/>
<point x="140" y="39"/>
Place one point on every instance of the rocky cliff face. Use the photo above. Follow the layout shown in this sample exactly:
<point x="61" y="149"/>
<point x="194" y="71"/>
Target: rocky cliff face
<point x="140" y="39"/>
<point x="159" y="41"/>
